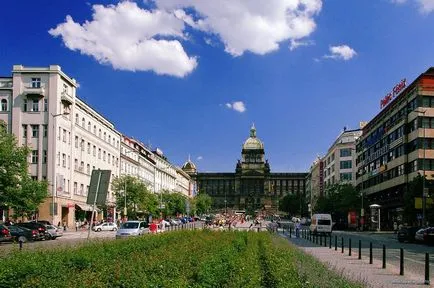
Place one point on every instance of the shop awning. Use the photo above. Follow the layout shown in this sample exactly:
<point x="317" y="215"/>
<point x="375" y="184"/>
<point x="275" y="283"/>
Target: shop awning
<point x="86" y="207"/>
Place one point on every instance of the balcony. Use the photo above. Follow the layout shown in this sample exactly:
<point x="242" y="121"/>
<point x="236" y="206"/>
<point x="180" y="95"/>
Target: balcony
<point x="37" y="92"/>
<point x="66" y="98"/>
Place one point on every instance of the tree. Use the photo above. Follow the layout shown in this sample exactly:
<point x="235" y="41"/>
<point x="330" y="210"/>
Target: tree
<point x="137" y="198"/>
<point x="339" y="199"/>
<point x="203" y="203"/>
<point x="174" y="203"/>
<point x="291" y="203"/>
<point x="17" y="189"/>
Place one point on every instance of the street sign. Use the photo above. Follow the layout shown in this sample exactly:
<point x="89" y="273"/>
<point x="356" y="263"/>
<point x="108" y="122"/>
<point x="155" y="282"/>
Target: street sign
<point x="98" y="189"/>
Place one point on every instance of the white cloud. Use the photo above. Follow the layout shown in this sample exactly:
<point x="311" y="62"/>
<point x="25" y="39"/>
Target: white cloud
<point x="199" y="158"/>
<point x="343" y="52"/>
<point x="294" y="44"/>
<point x="426" y="6"/>
<point x="124" y="36"/>
<point x="257" y="26"/>
<point x="238" y="106"/>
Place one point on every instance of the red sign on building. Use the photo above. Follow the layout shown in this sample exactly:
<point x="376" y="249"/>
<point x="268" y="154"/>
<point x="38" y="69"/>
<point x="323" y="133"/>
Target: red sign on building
<point x="392" y="94"/>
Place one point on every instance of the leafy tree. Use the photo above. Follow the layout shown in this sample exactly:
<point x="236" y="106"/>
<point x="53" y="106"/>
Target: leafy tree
<point x="291" y="203"/>
<point x="17" y="189"/>
<point x="138" y="198"/>
<point x="174" y="203"/>
<point x="339" y="199"/>
<point x="203" y="203"/>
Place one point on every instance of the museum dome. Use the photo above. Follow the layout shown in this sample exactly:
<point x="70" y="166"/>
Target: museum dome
<point x="189" y="166"/>
<point x="253" y="143"/>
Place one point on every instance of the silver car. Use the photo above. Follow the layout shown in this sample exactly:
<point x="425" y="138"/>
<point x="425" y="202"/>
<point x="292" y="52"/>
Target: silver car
<point x="54" y="232"/>
<point x="105" y="227"/>
<point x="132" y="228"/>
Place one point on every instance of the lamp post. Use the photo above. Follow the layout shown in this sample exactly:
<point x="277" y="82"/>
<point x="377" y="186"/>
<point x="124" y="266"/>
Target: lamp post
<point x="54" y="192"/>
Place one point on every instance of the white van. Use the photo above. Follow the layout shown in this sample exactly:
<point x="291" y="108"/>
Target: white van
<point x="321" y="223"/>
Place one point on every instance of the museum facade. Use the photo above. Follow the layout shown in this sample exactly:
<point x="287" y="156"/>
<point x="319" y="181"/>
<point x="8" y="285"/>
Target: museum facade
<point x="253" y="187"/>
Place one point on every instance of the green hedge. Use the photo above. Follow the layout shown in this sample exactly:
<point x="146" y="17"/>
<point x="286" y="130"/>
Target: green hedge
<point x="177" y="259"/>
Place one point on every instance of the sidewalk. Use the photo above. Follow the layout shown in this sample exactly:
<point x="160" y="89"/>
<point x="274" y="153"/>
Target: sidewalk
<point x="372" y="275"/>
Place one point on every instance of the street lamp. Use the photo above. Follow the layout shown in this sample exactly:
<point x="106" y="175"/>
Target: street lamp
<point x="54" y="192"/>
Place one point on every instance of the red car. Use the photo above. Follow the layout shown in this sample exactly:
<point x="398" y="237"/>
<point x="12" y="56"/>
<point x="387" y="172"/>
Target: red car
<point x="5" y="234"/>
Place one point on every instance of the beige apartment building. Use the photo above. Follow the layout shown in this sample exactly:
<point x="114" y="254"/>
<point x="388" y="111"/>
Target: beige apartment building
<point x="68" y="139"/>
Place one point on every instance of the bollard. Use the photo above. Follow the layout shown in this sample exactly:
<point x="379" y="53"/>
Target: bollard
<point x="290" y="231"/>
<point x="21" y="244"/>
<point x="384" y="256"/>
<point x="370" y="252"/>
<point x="330" y="241"/>
<point x="427" y="282"/>
<point x="360" y="249"/>
<point x="325" y="240"/>
<point x="320" y="239"/>
<point x="349" y="247"/>
<point x="401" y="261"/>
<point x="336" y="243"/>
<point x="342" y="238"/>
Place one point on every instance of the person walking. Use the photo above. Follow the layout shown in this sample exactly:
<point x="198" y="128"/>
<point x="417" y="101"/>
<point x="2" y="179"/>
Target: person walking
<point x="297" y="229"/>
<point x="77" y="224"/>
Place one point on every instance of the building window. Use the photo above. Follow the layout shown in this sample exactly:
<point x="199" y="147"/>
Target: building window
<point x="44" y="156"/>
<point x="45" y="130"/>
<point x="99" y="153"/>
<point x="76" y="118"/>
<point x="345" y="164"/>
<point x="109" y="139"/>
<point x="109" y="158"/>
<point x="345" y="152"/>
<point x="89" y="126"/>
<point x="105" y="135"/>
<point x="82" y="145"/>
<point x="83" y="122"/>
<point x="25" y="105"/>
<point x="88" y="148"/>
<point x="45" y="105"/>
<point x="63" y="160"/>
<point x="81" y="166"/>
<point x="75" y="188"/>
<point x="35" y="105"/>
<point x="94" y="129"/>
<point x="36" y="82"/>
<point x="35" y="157"/>
<point x="69" y="138"/>
<point x="94" y="150"/>
<point x="58" y="158"/>
<point x="76" y="141"/>
<point x="81" y="189"/>
<point x="346" y="176"/>
<point x="103" y="156"/>
<point x="24" y="131"/>
<point x="88" y="169"/>
<point x="64" y="135"/>
<point x="4" y="105"/>
<point x="35" y="131"/>
<point x="69" y="161"/>
<point x="99" y="133"/>
<point x="75" y="164"/>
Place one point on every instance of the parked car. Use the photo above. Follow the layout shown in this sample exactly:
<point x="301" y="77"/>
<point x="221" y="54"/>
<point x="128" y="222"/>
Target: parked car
<point x="105" y="227"/>
<point x="36" y="226"/>
<point x="5" y="234"/>
<point x="407" y="234"/>
<point x="132" y="228"/>
<point x="24" y="234"/>
<point x="425" y="235"/>
<point x="54" y="231"/>
<point x="45" y="222"/>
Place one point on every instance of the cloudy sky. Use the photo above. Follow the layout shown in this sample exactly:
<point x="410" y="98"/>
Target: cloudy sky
<point x="191" y="76"/>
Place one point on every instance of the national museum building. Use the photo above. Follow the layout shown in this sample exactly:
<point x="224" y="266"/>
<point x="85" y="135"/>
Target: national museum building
<point x="252" y="187"/>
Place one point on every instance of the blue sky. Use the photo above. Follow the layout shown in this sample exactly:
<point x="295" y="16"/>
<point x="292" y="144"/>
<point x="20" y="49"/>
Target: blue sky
<point x="190" y="77"/>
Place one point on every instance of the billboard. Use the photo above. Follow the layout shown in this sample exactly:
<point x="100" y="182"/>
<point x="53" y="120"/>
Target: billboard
<point x="98" y="188"/>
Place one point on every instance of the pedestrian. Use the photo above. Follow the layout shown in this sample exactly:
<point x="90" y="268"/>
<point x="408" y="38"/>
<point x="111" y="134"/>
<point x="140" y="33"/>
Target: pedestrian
<point x="64" y="226"/>
<point x="395" y="227"/>
<point x="77" y="224"/>
<point x="297" y="229"/>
